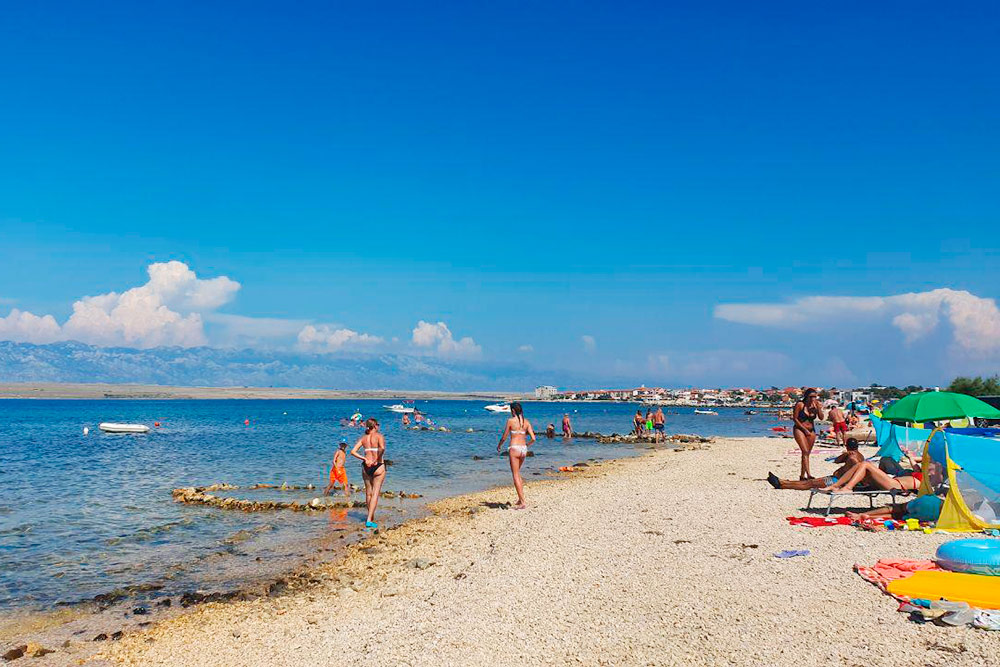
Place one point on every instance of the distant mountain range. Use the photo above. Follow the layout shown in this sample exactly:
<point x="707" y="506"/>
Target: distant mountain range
<point x="206" y="366"/>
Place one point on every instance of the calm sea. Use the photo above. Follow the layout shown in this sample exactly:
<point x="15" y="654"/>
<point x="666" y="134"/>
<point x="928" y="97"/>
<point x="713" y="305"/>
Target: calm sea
<point x="85" y="515"/>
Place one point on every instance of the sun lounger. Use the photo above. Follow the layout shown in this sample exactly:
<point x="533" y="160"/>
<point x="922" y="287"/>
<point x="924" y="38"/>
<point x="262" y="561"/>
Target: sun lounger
<point x="871" y="494"/>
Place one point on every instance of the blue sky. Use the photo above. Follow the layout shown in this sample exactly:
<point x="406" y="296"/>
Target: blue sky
<point x="528" y="176"/>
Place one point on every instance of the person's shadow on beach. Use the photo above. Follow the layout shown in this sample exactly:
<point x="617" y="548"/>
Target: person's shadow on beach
<point x="496" y="506"/>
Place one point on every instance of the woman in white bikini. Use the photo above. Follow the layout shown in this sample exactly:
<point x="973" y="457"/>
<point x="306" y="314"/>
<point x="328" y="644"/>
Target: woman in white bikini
<point x="372" y="466"/>
<point x="518" y="428"/>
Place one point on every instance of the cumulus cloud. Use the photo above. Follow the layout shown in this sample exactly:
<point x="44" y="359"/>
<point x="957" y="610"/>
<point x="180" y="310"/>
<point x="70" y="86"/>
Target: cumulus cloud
<point x="24" y="327"/>
<point x="974" y="320"/>
<point x="589" y="343"/>
<point x="326" y="338"/>
<point x="526" y="349"/>
<point x="436" y="337"/>
<point x="166" y="310"/>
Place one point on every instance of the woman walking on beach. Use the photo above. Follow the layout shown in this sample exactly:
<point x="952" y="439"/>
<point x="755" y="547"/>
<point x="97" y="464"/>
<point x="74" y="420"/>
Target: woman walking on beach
<point x="519" y="429"/>
<point x="372" y="466"/>
<point x="804" y="416"/>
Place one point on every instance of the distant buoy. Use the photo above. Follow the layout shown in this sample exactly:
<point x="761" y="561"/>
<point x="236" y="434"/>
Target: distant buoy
<point x="156" y="423"/>
<point x="86" y="430"/>
<point x="246" y="422"/>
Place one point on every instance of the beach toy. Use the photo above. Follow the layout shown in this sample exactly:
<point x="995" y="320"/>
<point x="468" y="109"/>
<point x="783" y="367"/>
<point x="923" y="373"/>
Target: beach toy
<point x="974" y="556"/>
<point x="791" y="553"/>
<point x="976" y="589"/>
<point x="913" y="524"/>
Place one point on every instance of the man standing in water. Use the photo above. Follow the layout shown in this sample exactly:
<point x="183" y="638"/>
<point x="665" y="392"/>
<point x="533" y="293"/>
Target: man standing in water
<point x="658" y="423"/>
<point x="567" y="427"/>
<point x="637" y="423"/>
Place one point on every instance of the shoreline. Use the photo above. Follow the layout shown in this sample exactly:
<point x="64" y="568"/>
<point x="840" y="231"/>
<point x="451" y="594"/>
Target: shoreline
<point x="111" y="613"/>
<point x="634" y="560"/>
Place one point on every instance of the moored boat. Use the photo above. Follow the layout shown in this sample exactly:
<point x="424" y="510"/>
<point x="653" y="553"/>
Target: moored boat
<point x="498" y="407"/>
<point x="113" y="427"/>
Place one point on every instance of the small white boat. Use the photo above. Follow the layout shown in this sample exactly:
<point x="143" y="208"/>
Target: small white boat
<point x="400" y="408"/>
<point x="112" y="427"/>
<point x="705" y="412"/>
<point x="498" y="407"/>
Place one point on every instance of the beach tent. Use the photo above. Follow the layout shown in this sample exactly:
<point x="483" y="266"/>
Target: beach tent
<point x="972" y="471"/>
<point x="892" y="439"/>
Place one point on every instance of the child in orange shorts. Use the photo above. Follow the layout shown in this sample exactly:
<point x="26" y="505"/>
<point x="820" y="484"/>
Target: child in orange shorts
<point x="338" y="473"/>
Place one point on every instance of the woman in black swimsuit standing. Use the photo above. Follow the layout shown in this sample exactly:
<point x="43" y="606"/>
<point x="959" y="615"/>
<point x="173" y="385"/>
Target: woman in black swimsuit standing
<point x="372" y="466"/>
<point x="804" y="416"/>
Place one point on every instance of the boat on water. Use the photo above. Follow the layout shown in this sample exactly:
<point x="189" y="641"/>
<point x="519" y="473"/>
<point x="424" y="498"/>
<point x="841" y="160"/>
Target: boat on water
<point x="705" y="412"/>
<point x="399" y="408"/>
<point x="749" y="412"/>
<point x="498" y="407"/>
<point x="112" y="427"/>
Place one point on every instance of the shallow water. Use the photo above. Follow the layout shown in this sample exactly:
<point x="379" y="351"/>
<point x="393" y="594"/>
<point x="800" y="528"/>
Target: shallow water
<point x="85" y="515"/>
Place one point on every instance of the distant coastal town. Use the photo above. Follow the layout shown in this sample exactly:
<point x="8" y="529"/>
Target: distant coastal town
<point x="733" y="397"/>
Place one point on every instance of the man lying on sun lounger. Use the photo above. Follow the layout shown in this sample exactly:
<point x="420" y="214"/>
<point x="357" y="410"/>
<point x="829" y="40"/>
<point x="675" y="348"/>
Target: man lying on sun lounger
<point x="850" y="458"/>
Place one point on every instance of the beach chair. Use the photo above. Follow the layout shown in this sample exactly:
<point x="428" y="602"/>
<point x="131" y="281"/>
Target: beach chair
<point x="871" y="494"/>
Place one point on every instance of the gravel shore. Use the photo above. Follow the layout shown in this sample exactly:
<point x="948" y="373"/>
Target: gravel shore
<point x="663" y="559"/>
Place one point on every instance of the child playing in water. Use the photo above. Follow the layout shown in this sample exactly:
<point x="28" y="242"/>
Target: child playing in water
<point x="338" y="473"/>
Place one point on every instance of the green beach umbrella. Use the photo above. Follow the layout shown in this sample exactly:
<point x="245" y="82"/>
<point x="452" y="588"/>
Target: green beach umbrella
<point x="929" y="406"/>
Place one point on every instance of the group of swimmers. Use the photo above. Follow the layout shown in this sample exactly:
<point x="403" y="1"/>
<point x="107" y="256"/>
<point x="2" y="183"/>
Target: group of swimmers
<point x="567" y="428"/>
<point x="370" y="450"/>
<point x="653" y="423"/>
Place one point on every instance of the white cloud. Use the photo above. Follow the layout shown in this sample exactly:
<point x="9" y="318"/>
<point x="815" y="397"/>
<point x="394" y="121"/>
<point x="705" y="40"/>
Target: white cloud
<point x="166" y="310"/>
<point x="326" y="338"/>
<point x="526" y="349"/>
<point x="589" y="343"/>
<point x="974" y="320"/>
<point x="24" y="327"/>
<point x="438" y="338"/>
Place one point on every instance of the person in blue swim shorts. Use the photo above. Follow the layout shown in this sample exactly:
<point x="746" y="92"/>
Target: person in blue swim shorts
<point x="849" y="459"/>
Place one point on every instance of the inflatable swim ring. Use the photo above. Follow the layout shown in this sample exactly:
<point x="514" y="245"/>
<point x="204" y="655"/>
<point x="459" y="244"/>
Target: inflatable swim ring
<point x="973" y="556"/>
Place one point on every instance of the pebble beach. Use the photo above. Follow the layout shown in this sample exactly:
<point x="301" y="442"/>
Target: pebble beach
<point x="667" y="558"/>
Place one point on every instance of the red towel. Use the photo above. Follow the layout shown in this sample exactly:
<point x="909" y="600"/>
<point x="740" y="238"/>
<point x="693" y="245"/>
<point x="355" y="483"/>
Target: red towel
<point x="818" y="521"/>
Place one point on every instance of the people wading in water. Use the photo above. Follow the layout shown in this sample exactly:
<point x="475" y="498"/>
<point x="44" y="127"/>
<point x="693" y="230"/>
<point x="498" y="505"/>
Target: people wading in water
<point x="372" y="466"/>
<point x="804" y="416"/>
<point x="519" y="429"/>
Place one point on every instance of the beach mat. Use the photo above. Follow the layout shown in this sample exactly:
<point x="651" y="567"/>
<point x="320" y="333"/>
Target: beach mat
<point x="978" y="590"/>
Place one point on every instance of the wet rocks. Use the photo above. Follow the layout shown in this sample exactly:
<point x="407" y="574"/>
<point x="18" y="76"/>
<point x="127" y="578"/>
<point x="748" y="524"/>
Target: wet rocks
<point x="199" y="496"/>
<point x="15" y="653"/>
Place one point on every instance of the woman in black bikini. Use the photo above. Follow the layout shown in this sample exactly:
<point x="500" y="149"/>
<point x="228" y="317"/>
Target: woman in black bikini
<point x="372" y="466"/>
<point x="804" y="416"/>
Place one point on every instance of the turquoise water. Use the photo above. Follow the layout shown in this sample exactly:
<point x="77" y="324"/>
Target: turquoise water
<point x="84" y="515"/>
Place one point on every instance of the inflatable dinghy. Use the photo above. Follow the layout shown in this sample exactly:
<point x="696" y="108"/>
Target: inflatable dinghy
<point x="111" y="427"/>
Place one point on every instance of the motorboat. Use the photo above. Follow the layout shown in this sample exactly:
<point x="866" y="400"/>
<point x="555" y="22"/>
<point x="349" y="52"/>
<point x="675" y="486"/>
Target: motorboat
<point x="112" y="427"/>
<point x="749" y="412"/>
<point x="705" y="412"/>
<point x="498" y="407"/>
<point x="399" y="408"/>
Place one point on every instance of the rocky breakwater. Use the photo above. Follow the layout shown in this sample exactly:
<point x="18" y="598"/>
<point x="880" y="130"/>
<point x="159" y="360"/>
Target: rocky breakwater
<point x="203" y="495"/>
<point x="683" y="440"/>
